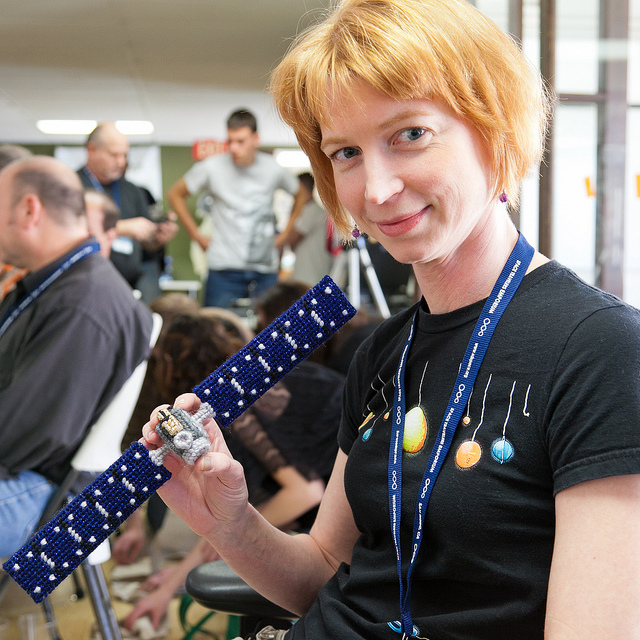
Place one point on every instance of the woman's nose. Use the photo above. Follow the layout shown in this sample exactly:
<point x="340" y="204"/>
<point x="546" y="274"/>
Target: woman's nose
<point x="381" y="183"/>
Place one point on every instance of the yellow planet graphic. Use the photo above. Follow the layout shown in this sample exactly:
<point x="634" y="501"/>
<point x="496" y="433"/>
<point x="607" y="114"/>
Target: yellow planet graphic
<point x="415" y="430"/>
<point x="367" y="419"/>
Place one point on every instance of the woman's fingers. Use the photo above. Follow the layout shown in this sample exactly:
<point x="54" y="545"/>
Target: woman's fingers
<point x="188" y="401"/>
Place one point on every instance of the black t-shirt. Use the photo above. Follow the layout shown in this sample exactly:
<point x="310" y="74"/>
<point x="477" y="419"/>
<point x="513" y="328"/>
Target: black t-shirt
<point x="556" y="402"/>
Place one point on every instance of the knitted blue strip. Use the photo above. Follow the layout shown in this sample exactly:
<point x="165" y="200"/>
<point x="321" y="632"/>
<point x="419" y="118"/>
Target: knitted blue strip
<point x="237" y="384"/>
<point x="78" y="529"/>
<point x="66" y="540"/>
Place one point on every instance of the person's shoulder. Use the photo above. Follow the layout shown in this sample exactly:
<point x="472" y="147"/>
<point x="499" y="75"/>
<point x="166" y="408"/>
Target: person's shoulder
<point x="562" y="290"/>
<point x="131" y="189"/>
<point x="206" y="165"/>
<point x="568" y="309"/>
<point x="95" y="287"/>
<point x="216" y="160"/>
<point x="123" y="183"/>
<point x="84" y="178"/>
<point x="265" y="157"/>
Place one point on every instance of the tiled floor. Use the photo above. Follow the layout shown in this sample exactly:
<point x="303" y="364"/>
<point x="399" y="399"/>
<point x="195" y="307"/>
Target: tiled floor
<point x="76" y="620"/>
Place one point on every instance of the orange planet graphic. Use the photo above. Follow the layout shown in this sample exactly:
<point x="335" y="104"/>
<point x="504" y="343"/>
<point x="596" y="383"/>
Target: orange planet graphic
<point x="415" y="430"/>
<point x="468" y="454"/>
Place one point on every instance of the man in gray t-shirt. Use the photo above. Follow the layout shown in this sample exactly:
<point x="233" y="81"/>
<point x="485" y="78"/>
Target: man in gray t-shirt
<point x="242" y="258"/>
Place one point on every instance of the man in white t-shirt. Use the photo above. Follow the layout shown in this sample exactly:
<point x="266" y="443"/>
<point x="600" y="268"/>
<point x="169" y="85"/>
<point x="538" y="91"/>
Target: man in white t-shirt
<point x="242" y="258"/>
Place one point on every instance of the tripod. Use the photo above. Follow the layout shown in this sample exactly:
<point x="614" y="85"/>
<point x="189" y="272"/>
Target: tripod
<point x="350" y="260"/>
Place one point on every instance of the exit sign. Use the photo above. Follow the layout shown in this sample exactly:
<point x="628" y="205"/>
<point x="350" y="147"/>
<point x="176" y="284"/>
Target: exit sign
<point x="202" y="149"/>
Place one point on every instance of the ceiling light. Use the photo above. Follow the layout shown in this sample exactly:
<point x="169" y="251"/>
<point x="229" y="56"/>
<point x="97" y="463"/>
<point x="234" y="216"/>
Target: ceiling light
<point x="134" y="127"/>
<point x="291" y="158"/>
<point x="66" y="127"/>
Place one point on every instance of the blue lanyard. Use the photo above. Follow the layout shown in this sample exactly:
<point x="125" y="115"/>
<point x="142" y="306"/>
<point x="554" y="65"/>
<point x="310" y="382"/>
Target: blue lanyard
<point x="503" y="290"/>
<point x="80" y="253"/>
<point x="98" y="186"/>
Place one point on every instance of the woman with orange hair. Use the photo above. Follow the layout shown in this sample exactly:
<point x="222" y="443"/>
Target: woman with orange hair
<point x="487" y="483"/>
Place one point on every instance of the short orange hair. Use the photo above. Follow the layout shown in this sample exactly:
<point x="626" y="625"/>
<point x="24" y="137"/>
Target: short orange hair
<point x="442" y="50"/>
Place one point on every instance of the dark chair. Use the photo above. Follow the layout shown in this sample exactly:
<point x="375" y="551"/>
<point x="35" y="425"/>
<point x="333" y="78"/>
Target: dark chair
<point x="216" y="586"/>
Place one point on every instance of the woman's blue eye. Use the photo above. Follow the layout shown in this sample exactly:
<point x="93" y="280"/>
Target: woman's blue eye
<point x="414" y="133"/>
<point x="345" y="154"/>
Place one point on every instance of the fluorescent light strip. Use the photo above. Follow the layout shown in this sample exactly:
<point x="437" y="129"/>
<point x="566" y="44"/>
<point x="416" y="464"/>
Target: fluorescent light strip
<point x="66" y="127"/>
<point x="84" y="127"/>
<point x="292" y="158"/>
<point x="135" y="127"/>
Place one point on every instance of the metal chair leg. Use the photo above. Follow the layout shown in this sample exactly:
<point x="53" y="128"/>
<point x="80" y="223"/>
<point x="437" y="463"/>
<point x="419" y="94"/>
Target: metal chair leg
<point x="101" y="601"/>
<point x="50" y="618"/>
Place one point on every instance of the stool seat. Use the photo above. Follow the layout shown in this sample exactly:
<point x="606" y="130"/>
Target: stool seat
<point x="216" y="586"/>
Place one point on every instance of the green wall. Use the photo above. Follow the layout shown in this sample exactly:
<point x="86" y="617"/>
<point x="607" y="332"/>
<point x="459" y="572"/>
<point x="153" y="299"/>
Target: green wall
<point x="175" y="163"/>
<point x="40" y="149"/>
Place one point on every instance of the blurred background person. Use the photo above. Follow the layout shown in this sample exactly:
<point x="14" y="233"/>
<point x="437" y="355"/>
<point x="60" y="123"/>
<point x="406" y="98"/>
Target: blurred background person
<point x="71" y="334"/>
<point x="309" y="236"/>
<point x="286" y="441"/>
<point x="242" y="257"/>
<point x="9" y="274"/>
<point x="107" y="150"/>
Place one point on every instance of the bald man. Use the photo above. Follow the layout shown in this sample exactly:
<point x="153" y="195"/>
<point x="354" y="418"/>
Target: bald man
<point x="107" y="150"/>
<point x="71" y="333"/>
<point x="9" y="274"/>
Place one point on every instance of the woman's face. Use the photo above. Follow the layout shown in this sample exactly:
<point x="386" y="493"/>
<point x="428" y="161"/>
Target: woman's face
<point x="413" y="176"/>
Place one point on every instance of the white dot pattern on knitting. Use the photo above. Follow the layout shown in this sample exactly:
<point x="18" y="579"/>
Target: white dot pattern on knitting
<point x="290" y="338"/>
<point x="310" y="322"/>
<point x="57" y="550"/>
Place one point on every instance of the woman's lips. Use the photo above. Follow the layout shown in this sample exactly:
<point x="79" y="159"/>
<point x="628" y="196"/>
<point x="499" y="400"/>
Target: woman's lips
<point x="403" y="225"/>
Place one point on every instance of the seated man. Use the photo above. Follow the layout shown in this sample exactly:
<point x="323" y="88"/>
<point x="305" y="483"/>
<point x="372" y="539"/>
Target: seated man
<point x="9" y="274"/>
<point x="71" y="333"/>
<point x="102" y="217"/>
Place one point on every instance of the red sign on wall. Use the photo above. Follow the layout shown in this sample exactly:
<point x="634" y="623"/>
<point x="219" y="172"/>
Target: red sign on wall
<point x="202" y="149"/>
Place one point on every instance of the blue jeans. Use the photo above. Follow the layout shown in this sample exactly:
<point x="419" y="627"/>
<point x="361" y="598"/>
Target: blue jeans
<point x="226" y="286"/>
<point x="22" y="501"/>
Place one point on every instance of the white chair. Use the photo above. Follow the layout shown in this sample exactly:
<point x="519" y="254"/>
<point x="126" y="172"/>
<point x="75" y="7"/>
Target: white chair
<point x="101" y="447"/>
<point x="97" y="452"/>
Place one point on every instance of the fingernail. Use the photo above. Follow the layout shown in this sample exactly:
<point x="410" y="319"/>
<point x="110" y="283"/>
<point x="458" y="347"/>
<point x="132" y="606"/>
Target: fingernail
<point x="207" y="464"/>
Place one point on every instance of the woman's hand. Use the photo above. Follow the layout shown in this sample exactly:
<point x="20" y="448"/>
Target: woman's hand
<point x="212" y="492"/>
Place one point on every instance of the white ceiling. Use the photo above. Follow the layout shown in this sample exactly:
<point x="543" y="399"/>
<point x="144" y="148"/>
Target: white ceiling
<point x="182" y="64"/>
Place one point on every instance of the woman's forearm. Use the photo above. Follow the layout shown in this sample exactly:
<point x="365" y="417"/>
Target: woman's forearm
<point x="287" y="569"/>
